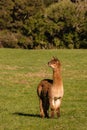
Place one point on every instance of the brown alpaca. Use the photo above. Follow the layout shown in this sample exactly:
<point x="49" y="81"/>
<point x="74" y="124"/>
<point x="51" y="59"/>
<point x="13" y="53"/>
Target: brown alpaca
<point x="51" y="92"/>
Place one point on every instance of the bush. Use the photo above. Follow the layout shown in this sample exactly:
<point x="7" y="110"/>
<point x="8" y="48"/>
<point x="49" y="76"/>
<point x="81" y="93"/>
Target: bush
<point x="8" y="39"/>
<point x="29" y="24"/>
<point x="15" y="40"/>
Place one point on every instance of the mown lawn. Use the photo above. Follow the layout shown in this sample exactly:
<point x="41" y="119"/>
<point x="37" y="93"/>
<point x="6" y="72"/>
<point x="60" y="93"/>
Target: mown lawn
<point x="20" y="73"/>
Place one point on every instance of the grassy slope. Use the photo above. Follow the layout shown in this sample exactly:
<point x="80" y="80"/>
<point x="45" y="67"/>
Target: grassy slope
<point x="20" y="73"/>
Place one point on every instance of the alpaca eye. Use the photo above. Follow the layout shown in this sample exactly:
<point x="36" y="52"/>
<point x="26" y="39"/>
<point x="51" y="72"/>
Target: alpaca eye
<point x="54" y="63"/>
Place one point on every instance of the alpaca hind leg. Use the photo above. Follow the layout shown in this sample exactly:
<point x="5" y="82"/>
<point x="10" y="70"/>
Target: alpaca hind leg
<point x="41" y="109"/>
<point x="46" y="108"/>
<point x="46" y="113"/>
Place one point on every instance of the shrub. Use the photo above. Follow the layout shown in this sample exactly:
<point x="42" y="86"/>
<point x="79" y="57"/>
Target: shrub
<point x="8" y="39"/>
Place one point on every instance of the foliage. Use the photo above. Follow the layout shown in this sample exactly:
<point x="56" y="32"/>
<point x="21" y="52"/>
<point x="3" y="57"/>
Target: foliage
<point x="43" y="24"/>
<point x="8" y="39"/>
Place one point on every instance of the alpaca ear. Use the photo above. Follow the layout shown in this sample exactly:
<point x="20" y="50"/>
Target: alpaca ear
<point x="53" y="58"/>
<point x="58" y="61"/>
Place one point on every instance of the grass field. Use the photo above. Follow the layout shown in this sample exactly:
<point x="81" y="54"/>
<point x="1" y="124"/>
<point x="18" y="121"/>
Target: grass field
<point x="20" y="73"/>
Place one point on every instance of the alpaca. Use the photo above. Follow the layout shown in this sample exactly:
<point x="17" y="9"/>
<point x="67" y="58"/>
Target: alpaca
<point x="51" y="92"/>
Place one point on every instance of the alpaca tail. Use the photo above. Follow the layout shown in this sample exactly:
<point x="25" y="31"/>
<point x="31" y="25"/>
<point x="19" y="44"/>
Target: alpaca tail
<point x="39" y="90"/>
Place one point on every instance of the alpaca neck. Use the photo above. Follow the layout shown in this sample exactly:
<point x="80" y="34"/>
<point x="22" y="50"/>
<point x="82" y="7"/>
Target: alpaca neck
<point x="57" y="80"/>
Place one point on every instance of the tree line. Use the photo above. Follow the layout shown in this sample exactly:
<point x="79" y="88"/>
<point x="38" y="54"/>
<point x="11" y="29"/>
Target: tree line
<point x="43" y="24"/>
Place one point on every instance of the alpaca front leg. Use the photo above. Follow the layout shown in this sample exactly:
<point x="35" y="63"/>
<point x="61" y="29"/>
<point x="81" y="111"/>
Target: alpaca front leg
<point x="52" y="107"/>
<point x="52" y="113"/>
<point x="58" y="112"/>
<point x="41" y="109"/>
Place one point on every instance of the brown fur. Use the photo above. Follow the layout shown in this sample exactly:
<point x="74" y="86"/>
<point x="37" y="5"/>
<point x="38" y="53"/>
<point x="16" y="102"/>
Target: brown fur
<point x="50" y="92"/>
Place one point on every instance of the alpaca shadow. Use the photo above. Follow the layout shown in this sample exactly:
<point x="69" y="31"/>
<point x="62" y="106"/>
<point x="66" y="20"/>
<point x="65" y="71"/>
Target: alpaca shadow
<point x="24" y="114"/>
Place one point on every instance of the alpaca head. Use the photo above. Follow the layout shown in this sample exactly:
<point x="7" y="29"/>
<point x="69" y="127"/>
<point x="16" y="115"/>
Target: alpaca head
<point x="54" y="63"/>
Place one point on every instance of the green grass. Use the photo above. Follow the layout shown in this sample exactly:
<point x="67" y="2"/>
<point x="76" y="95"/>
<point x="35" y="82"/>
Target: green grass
<point x="20" y="73"/>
